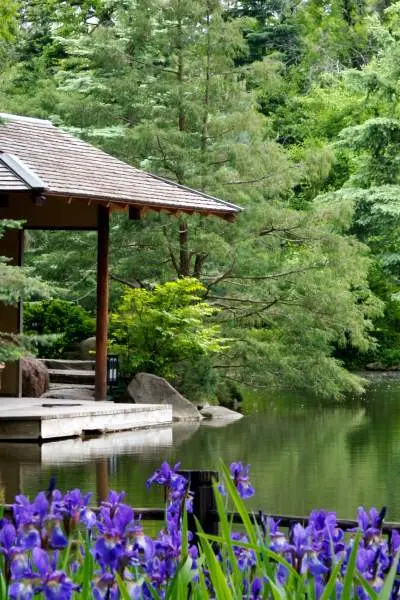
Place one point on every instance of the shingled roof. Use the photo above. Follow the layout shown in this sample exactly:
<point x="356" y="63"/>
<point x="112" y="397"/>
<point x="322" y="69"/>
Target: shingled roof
<point x="70" y="167"/>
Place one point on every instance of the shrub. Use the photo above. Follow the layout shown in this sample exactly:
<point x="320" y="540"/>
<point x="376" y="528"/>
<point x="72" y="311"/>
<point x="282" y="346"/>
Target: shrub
<point x="164" y="331"/>
<point x="70" y="321"/>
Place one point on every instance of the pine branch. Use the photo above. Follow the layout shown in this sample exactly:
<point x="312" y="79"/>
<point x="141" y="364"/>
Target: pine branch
<point x="273" y="229"/>
<point x="277" y="275"/>
<point x="248" y="181"/>
<point x="221" y="277"/>
<point x="135" y="284"/>
<point x="171" y="252"/>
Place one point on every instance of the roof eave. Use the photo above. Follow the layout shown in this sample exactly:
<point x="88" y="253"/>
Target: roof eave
<point x="227" y="212"/>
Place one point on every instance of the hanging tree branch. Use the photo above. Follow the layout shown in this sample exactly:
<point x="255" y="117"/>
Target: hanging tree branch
<point x="135" y="284"/>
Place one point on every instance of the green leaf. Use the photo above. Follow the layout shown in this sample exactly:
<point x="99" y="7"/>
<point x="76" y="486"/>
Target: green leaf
<point x="331" y="583"/>
<point x="351" y="568"/>
<point x="367" y="587"/>
<point x="386" y="591"/>
<point x="123" y="588"/>
<point x="217" y="576"/>
<point x="226" y="534"/>
<point x="178" y="588"/>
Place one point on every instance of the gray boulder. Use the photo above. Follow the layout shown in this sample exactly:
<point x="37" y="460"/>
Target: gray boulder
<point x="220" y="412"/>
<point x="87" y="349"/>
<point x="35" y="377"/>
<point x="150" y="389"/>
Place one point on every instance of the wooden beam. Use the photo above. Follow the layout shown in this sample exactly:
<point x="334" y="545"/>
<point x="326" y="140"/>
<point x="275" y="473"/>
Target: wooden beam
<point x="102" y="485"/>
<point x="103" y="227"/>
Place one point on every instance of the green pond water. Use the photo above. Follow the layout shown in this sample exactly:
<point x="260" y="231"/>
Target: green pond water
<point x="302" y="455"/>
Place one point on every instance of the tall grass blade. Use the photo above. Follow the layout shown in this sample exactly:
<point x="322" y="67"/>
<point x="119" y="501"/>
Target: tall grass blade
<point x="226" y="534"/>
<point x="331" y="583"/>
<point x="386" y="591"/>
<point x="217" y="575"/>
<point x="122" y="587"/>
<point x="372" y="594"/>
<point x="178" y="589"/>
<point x="351" y="569"/>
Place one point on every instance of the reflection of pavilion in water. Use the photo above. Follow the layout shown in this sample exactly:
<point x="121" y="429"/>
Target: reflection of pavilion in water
<point x="19" y="461"/>
<point x="22" y="463"/>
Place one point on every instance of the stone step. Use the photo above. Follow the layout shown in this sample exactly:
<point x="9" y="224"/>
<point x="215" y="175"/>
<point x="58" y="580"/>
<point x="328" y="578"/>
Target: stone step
<point x="72" y="391"/>
<point x="69" y="365"/>
<point x="71" y="376"/>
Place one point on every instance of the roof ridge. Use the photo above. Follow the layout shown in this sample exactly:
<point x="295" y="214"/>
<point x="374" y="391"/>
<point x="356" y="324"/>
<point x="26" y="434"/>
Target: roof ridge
<point x="12" y="117"/>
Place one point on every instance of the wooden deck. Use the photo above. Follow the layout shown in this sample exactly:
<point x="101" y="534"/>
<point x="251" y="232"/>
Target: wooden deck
<point x="47" y="418"/>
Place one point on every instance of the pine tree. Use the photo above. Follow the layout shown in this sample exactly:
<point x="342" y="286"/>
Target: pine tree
<point x="167" y="87"/>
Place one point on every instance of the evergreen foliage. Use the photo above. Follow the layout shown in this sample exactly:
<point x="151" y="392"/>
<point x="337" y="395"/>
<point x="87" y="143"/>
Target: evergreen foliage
<point x="69" y="321"/>
<point x="16" y="285"/>
<point x="288" y="109"/>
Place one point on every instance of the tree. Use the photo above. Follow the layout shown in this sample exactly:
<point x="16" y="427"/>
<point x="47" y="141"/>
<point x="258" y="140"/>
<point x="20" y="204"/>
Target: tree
<point x="167" y="88"/>
<point x="16" y="285"/>
<point x="275" y="28"/>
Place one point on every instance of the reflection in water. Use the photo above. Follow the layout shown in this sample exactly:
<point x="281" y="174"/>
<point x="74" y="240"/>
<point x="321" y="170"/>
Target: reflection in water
<point x="301" y="456"/>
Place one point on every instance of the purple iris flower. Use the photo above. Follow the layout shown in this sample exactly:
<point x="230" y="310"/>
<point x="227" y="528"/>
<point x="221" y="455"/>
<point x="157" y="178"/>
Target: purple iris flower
<point x="300" y="551"/>
<point x="256" y="590"/>
<point x="55" y="585"/>
<point x="395" y="541"/>
<point x="57" y="539"/>
<point x="176" y="485"/>
<point x="21" y="590"/>
<point x="143" y="545"/>
<point x="108" y="551"/>
<point x="245" y="558"/>
<point x="75" y="507"/>
<point x="370" y="523"/>
<point x="17" y="562"/>
<point x="164" y="475"/>
<point x="240" y="476"/>
<point x="114" y="499"/>
<point x="322" y="521"/>
<point x="105" y="588"/>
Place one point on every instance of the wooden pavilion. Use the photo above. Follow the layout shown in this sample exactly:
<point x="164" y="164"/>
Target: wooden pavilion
<point x="52" y="180"/>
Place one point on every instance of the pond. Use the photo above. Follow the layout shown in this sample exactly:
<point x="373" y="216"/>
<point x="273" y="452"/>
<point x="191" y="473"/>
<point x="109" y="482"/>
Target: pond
<point x="302" y="455"/>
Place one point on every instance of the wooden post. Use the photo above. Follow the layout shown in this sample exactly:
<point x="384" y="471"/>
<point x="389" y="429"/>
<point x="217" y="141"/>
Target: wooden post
<point x="102" y="486"/>
<point x="204" y="505"/>
<point x="103" y="219"/>
<point x="12" y="245"/>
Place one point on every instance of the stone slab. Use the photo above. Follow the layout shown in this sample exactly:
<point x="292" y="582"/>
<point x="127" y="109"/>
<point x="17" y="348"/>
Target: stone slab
<point x="63" y="364"/>
<point x="71" y="376"/>
<point x="36" y="418"/>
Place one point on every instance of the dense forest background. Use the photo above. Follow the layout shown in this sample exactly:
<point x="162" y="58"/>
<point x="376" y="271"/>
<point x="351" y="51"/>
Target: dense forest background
<point x="289" y="108"/>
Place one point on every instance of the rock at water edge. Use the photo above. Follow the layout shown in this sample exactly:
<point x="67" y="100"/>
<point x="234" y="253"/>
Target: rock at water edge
<point x="151" y="389"/>
<point x="220" y="412"/>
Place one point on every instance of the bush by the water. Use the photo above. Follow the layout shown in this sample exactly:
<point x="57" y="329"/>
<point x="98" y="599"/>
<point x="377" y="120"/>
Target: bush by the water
<point x="168" y="332"/>
<point x="58" y="548"/>
<point x="70" y="322"/>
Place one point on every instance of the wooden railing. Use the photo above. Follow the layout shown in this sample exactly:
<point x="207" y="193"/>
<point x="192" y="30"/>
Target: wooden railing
<point x="204" y="509"/>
